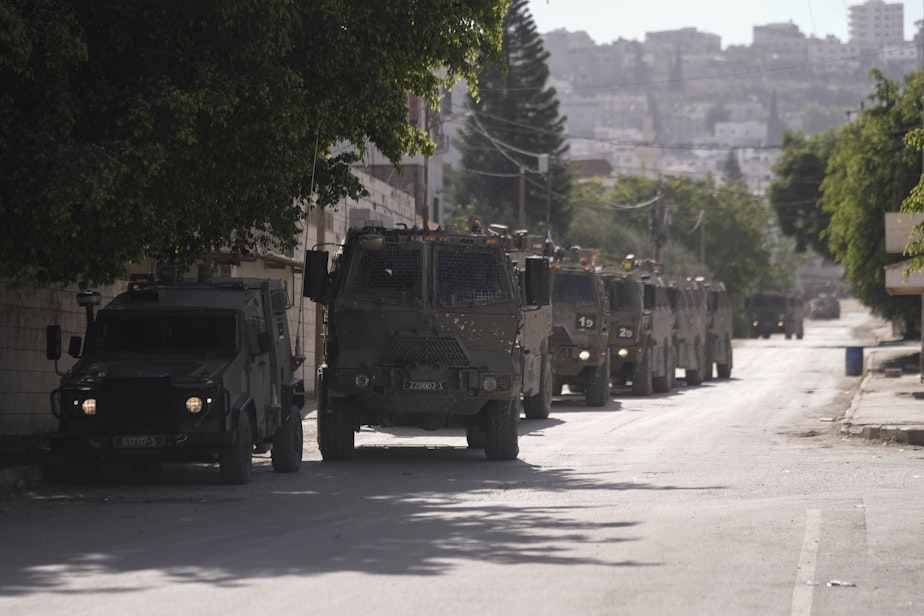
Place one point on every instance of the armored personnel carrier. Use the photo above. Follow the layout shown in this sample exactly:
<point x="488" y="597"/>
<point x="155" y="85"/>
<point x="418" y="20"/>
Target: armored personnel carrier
<point x="641" y="328"/>
<point x="425" y="328"/>
<point x="580" y="326"/>
<point x="690" y="331"/>
<point x="776" y="313"/>
<point x="175" y="371"/>
<point x="719" y="326"/>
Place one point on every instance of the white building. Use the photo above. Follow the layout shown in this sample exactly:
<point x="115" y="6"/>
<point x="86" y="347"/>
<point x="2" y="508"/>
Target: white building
<point x="875" y="24"/>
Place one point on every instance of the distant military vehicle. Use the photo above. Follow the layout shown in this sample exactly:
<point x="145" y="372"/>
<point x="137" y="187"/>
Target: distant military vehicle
<point x="425" y="328"/>
<point x="825" y="306"/>
<point x="641" y="328"/>
<point x="776" y="313"/>
<point x="174" y="371"/>
<point x="580" y="326"/>
<point x="719" y="326"/>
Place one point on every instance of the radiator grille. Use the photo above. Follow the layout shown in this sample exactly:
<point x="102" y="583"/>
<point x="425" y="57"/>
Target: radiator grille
<point x="135" y="406"/>
<point x="440" y="351"/>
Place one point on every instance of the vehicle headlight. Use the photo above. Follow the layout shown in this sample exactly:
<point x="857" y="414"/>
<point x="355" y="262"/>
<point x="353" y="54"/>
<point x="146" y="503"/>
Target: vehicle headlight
<point x="623" y="353"/>
<point x="489" y="383"/>
<point x="755" y="323"/>
<point x="89" y="406"/>
<point x="194" y="404"/>
<point x="584" y="355"/>
<point x="362" y="381"/>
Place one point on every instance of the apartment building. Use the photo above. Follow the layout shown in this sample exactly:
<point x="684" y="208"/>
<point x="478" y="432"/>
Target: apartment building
<point x="876" y="24"/>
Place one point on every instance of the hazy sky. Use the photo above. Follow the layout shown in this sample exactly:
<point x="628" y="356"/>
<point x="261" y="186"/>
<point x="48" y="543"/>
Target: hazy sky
<point x="608" y="20"/>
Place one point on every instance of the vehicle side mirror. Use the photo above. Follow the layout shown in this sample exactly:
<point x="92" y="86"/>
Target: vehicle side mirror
<point x="538" y="281"/>
<point x="53" y="342"/>
<point x="649" y="299"/>
<point x="74" y="346"/>
<point x="264" y="342"/>
<point x="315" y="274"/>
<point x="615" y="296"/>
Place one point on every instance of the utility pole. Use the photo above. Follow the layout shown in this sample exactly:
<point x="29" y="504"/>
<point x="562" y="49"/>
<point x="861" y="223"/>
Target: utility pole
<point x="702" y="240"/>
<point x="522" y="197"/>
<point x="426" y="172"/>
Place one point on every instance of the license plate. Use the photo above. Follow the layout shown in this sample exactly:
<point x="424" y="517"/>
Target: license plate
<point x="138" y="442"/>
<point x="418" y="385"/>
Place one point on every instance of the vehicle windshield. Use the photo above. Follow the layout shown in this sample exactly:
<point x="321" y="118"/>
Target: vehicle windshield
<point x="201" y="333"/>
<point x="466" y="276"/>
<point x="774" y="302"/>
<point x="391" y="274"/>
<point x="573" y="288"/>
<point x="624" y="295"/>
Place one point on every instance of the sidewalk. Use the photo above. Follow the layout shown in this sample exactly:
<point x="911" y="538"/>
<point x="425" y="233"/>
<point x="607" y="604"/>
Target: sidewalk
<point x="889" y="403"/>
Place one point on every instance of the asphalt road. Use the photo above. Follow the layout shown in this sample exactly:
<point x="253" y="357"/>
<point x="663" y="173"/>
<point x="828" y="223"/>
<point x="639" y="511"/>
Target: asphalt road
<point x="735" y="497"/>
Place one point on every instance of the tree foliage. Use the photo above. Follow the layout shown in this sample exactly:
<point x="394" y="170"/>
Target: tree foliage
<point x="870" y="172"/>
<point x="515" y="120"/>
<point x="795" y="191"/>
<point x="136" y="128"/>
<point x="727" y="225"/>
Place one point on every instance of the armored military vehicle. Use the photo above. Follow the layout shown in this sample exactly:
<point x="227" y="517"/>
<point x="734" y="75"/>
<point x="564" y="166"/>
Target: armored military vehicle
<point x="423" y="328"/>
<point x="825" y="306"/>
<point x="641" y="328"/>
<point x="580" y="326"/>
<point x="537" y="324"/>
<point x="690" y="330"/>
<point x="719" y="327"/>
<point x="175" y="371"/>
<point x="776" y="313"/>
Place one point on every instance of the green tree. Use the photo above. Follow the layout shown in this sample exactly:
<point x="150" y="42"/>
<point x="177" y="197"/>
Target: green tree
<point x="731" y="170"/>
<point x="515" y="120"/>
<point x="870" y="172"/>
<point x="139" y="128"/>
<point x="795" y="191"/>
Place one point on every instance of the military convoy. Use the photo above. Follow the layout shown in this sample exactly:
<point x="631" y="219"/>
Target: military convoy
<point x="426" y="328"/>
<point x="174" y="370"/>
<point x="432" y="329"/>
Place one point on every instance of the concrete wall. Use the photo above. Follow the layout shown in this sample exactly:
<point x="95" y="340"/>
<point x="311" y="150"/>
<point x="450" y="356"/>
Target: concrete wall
<point x="27" y="377"/>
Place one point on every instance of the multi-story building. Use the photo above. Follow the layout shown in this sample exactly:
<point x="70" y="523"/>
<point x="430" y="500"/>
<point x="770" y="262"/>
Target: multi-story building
<point x="875" y="24"/>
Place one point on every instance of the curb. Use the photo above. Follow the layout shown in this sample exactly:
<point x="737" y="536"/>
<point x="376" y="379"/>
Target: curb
<point x="19" y="477"/>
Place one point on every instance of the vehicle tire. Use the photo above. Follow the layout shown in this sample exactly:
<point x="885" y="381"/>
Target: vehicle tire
<point x="501" y="440"/>
<point x="724" y="370"/>
<point x="236" y="462"/>
<point x="695" y="376"/>
<point x="710" y="362"/>
<point x="288" y="444"/>
<point x="146" y="466"/>
<point x="556" y="385"/>
<point x="474" y="436"/>
<point x="641" y="375"/>
<point x="336" y="430"/>
<point x="598" y="385"/>
<point x="663" y="384"/>
<point x="540" y="405"/>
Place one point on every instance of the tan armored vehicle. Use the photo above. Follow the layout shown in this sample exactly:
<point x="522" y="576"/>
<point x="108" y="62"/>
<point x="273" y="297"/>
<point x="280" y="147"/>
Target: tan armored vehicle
<point x="423" y="328"/>
<point x="177" y="371"/>
<point x="641" y="328"/>
<point x="690" y="334"/>
<point x="580" y="326"/>
<point x="719" y="328"/>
